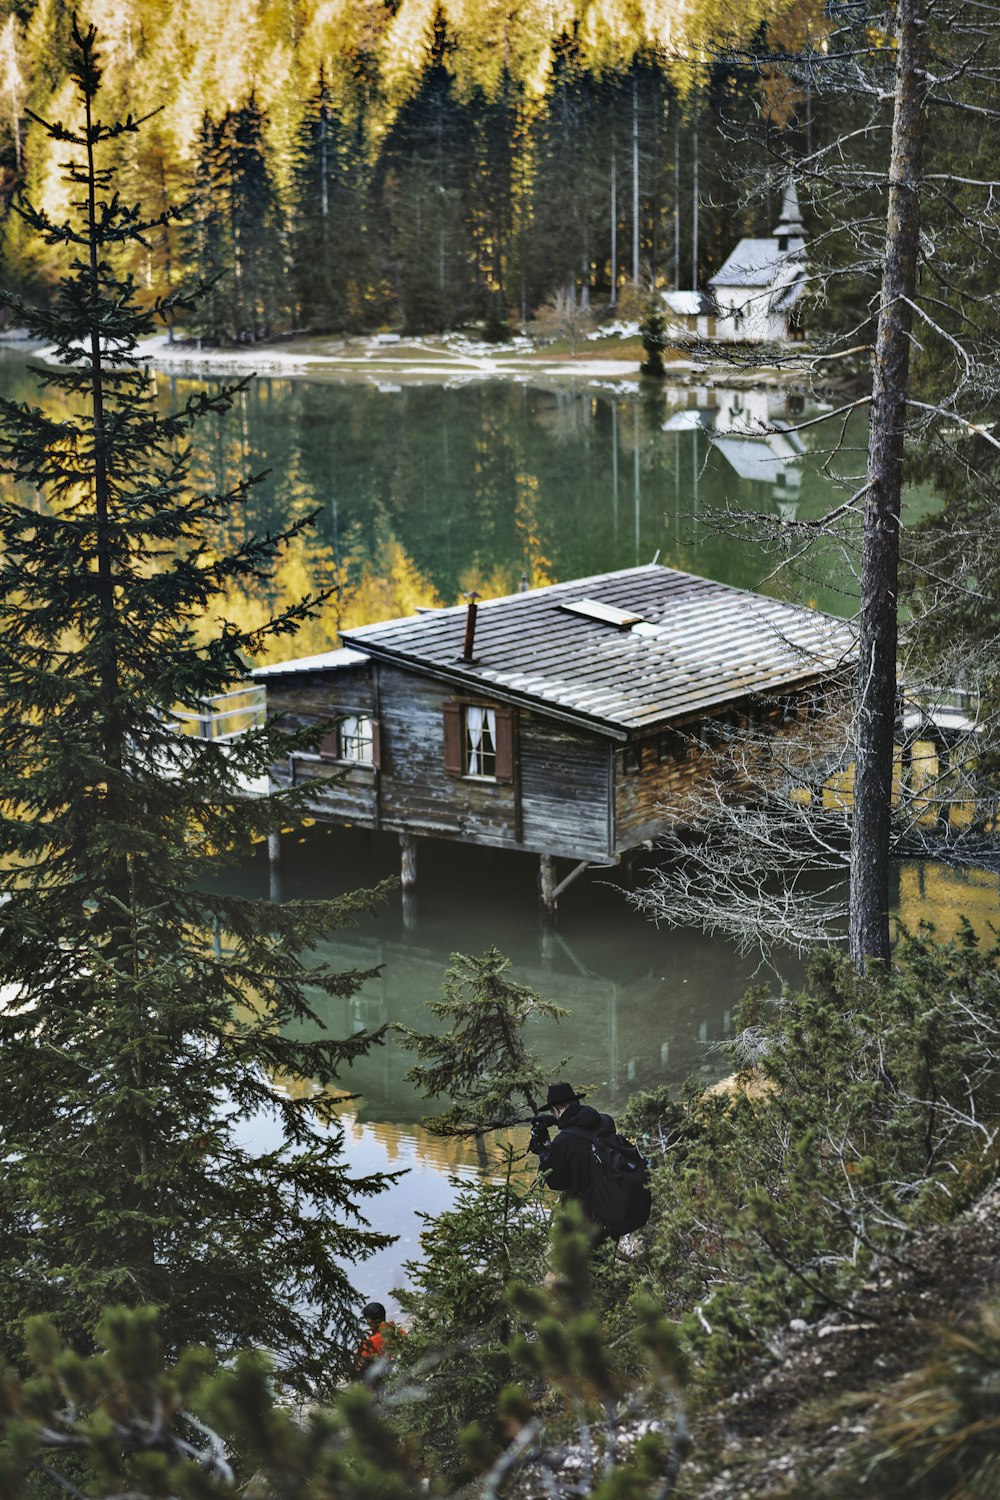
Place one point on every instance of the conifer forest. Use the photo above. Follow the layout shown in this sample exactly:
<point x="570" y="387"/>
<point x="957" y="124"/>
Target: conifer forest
<point x="500" y="750"/>
<point x="410" y="165"/>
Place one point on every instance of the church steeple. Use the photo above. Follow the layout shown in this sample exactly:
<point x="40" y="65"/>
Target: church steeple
<point x="790" y="225"/>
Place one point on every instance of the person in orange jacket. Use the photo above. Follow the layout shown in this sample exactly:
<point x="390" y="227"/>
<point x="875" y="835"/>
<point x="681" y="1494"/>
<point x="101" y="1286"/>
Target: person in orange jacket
<point x="379" y="1340"/>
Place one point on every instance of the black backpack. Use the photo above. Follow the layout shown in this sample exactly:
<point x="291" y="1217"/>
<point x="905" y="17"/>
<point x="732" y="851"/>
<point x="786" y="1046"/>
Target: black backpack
<point x="619" y="1196"/>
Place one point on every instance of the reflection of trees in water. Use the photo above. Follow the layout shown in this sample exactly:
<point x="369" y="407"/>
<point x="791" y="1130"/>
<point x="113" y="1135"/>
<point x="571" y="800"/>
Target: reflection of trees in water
<point x="388" y="585"/>
<point x="399" y="1141"/>
<point x="651" y="1016"/>
<point x="423" y="492"/>
<point x="948" y="896"/>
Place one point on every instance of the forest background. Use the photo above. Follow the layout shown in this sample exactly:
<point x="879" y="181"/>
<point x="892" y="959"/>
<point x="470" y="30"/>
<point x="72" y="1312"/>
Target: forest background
<point x="414" y="164"/>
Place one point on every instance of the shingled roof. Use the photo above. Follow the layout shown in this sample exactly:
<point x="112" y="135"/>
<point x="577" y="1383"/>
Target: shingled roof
<point x="776" y="258"/>
<point x="694" y="645"/>
<point x="761" y="263"/>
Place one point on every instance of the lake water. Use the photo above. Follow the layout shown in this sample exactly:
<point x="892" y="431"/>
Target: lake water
<point x="423" y="490"/>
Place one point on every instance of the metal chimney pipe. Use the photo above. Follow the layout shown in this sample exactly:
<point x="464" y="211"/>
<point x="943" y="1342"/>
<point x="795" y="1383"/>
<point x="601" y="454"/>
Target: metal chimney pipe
<point x="470" y="626"/>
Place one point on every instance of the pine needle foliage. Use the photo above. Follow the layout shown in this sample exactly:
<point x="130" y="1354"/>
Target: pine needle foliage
<point x="862" y="1110"/>
<point x="328" y="250"/>
<point x="480" y="1060"/>
<point x="129" y="1421"/>
<point x="234" y="234"/>
<point x="653" y="332"/>
<point x="456" y="1356"/>
<point x="149" y="1029"/>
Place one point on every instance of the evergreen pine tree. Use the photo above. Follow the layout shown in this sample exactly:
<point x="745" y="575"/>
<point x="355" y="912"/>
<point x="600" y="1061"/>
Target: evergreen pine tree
<point x="255" y="224"/>
<point x="236" y="234"/>
<point x="481" y="1060"/>
<point x="426" y="171"/>
<point x="203" y="241"/>
<point x="160" y="1136"/>
<point x="492" y="197"/>
<point x="653" y="332"/>
<point x="573" y="150"/>
<point x="328" y="215"/>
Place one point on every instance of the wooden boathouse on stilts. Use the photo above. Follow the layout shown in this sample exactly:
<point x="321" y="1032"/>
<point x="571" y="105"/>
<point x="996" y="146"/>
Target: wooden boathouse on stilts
<point x="563" y="721"/>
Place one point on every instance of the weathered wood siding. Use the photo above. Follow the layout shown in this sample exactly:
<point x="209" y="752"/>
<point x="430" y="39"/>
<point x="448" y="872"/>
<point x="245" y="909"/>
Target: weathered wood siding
<point x="557" y="802"/>
<point x="565" y="788"/>
<point x="342" y="791"/>
<point x="417" y="793"/>
<point x="349" y="689"/>
<point x="655" y="796"/>
<point x="572" y="793"/>
<point x="674" y="766"/>
<point x="345" y="794"/>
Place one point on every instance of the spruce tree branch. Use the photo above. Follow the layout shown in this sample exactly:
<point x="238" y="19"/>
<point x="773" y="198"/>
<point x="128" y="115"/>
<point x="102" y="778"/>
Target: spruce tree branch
<point x="61" y="1481"/>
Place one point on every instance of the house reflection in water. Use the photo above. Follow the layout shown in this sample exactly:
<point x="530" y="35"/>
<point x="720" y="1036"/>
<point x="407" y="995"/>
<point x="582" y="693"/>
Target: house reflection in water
<point x="647" y="1008"/>
<point x="753" y="430"/>
<point x="622" y="1033"/>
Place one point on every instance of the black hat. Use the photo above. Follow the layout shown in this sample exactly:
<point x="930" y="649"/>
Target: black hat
<point x="373" y="1312"/>
<point x="560" y="1093"/>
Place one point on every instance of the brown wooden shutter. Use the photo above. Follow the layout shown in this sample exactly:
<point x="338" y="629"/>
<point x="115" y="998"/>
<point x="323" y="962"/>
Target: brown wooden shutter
<point x="453" y="747"/>
<point x="505" y="743"/>
<point x="329" y="746"/>
<point x="377" y="743"/>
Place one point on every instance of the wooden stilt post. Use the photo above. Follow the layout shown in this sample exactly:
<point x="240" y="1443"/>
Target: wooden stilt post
<point x="274" y="865"/>
<point x="547" y="887"/>
<point x="408" y="875"/>
<point x="628" y="869"/>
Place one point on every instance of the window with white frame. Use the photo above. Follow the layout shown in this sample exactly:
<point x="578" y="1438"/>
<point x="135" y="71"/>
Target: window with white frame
<point x="351" y="737"/>
<point x="481" y="741"/>
<point x="356" y="740"/>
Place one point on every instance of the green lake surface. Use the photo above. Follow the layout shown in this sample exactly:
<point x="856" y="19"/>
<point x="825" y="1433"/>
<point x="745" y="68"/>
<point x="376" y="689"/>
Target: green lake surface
<point x="424" y="489"/>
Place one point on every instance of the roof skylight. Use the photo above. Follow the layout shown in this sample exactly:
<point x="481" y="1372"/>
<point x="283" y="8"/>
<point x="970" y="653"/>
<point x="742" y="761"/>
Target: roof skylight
<point x="607" y="614"/>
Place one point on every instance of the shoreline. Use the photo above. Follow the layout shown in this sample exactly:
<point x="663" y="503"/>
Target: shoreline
<point x="447" y="359"/>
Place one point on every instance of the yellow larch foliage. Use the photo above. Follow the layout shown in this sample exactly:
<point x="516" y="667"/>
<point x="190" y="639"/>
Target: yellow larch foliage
<point x="496" y="584"/>
<point x="407" y="43"/>
<point x="803" y="26"/>
<point x="389" y="587"/>
<point x="613" y="32"/>
<point x="945" y="896"/>
<point x="700" y="27"/>
<point x="494" y="36"/>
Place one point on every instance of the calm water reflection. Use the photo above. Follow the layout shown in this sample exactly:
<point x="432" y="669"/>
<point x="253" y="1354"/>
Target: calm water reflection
<point x="647" y="1007"/>
<point x="422" y="491"/>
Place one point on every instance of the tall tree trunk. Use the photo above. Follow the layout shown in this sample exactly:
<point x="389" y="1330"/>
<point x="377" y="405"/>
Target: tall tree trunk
<point x="875" y="707"/>
<point x="635" y="179"/>
<point x="677" y="202"/>
<point x="614" y="226"/>
<point x="113" y="740"/>
<point x="324" y="186"/>
<point x="694" y="207"/>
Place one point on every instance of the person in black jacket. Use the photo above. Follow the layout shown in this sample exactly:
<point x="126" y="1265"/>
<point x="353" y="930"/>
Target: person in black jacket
<point x="565" y="1162"/>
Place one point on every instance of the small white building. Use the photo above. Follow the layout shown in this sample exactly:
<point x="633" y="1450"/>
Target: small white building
<point x="757" y="290"/>
<point x="689" y="314"/>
